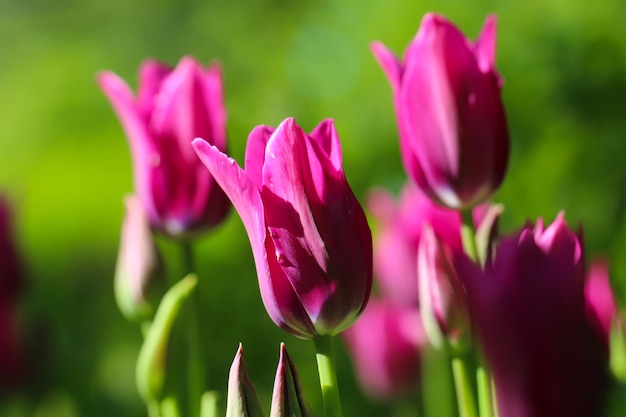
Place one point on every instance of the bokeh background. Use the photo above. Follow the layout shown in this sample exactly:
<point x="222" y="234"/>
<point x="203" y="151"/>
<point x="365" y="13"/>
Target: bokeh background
<point x="65" y="165"/>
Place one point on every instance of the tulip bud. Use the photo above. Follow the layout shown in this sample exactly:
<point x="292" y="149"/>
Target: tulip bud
<point x="173" y="107"/>
<point x="443" y="302"/>
<point x="242" y="397"/>
<point x="310" y="238"/>
<point x="138" y="263"/>
<point x="288" y="397"/>
<point x="454" y="138"/>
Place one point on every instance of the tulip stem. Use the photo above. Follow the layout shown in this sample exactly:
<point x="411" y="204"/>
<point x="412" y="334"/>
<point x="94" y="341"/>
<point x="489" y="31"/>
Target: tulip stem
<point x="468" y="235"/>
<point x="328" y="375"/>
<point x="485" y="400"/>
<point x="463" y="386"/>
<point x="195" y="365"/>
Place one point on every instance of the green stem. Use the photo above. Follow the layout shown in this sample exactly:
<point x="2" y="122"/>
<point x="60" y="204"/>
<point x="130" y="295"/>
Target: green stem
<point x="195" y="365"/>
<point x="328" y="375"/>
<point x="468" y="235"/>
<point x="464" y="390"/>
<point x="485" y="400"/>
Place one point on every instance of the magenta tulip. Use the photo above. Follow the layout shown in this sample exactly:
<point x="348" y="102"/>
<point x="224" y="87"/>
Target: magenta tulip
<point x="310" y="239"/>
<point x="172" y="107"/>
<point x="546" y="356"/>
<point x="385" y="348"/>
<point x="453" y="132"/>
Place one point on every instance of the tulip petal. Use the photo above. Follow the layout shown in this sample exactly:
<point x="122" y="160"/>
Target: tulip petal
<point x="255" y="153"/>
<point x="389" y="62"/>
<point x="180" y="111"/>
<point x="141" y="144"/>
<point x="325" y="134"/>
<point x="486" y="45"/>
<point x="214" y="103"/>
<point x="151" y="75"/>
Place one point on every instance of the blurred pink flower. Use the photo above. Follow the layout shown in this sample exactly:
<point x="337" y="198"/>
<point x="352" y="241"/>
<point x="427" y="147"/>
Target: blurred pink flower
<point x="453" y="132"/>
<point x="398" y="235"/>
<point x="172" y="107"/>
<point x="385" y="348"/>
<point x="310" y="238"/>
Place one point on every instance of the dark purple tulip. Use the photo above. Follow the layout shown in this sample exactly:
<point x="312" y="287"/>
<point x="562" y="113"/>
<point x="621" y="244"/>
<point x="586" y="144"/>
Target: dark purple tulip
<point x="453" y="132"/>
<point x="310" y="239"/>
<point x="172" y="107"/>
<point x="547" y="358"/>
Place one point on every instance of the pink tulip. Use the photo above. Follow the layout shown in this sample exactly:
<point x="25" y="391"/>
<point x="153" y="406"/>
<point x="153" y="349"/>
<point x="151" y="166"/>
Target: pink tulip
<point x="310" y="239"/>
<point x="453" y="132"/>
<point x="172" y="107"/>
<point x="385" y="348"/>
<point x="546" y="356"/>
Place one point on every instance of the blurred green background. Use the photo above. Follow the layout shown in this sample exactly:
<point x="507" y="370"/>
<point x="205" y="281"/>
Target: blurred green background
<point x="65" y="165"/>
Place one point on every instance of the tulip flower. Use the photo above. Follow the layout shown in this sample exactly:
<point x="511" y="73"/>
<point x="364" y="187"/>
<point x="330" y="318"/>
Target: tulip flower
<point x="443" y="302"/>
<point x="385" y="348"/>
<point x="546" y="356"/>
<point x="400" y="227"/>
<point x="310" y="239"/>
<point x="453" y="132"/>
<point x="172" y="107"/>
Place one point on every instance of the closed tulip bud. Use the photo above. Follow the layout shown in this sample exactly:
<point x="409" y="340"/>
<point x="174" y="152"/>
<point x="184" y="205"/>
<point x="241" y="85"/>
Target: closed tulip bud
<point x="453" y="132"/>
<point x="443" y="303"/>
<point x="288" y="397"/>
<point x="172" y="107"/>
<point x="310" y="239"/>
<point x="138" y="263"/>
<point x="242" y="397"/>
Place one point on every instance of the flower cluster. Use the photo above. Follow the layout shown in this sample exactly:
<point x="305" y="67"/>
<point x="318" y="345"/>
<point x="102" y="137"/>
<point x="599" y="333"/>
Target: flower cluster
<point x="517" y="311"/>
